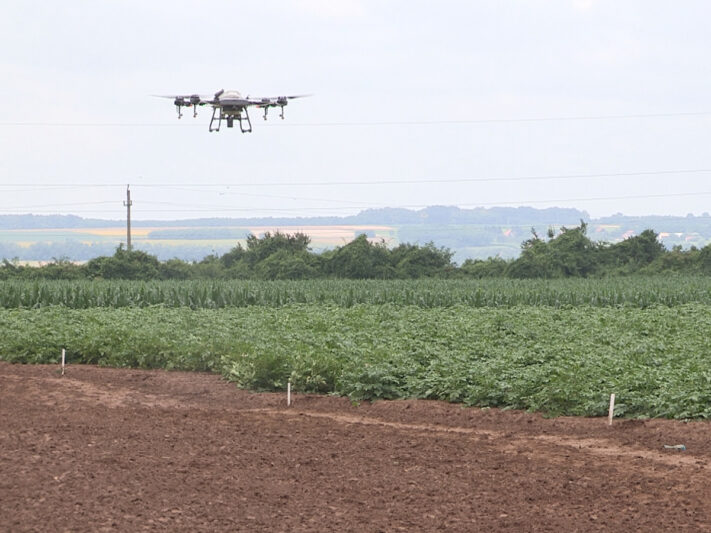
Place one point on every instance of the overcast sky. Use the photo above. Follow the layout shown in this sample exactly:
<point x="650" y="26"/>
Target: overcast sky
<point x="414" y="103"/>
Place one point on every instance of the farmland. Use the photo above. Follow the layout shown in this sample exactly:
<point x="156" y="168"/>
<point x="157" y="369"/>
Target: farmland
<point x="137" y="446"/>
<point x="130" y="450"/>
<point x="556" y="347"/>
<point x="486" y="293"/>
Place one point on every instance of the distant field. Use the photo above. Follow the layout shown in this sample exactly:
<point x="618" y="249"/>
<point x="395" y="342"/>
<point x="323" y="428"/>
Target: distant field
<point x="321" y="236"/>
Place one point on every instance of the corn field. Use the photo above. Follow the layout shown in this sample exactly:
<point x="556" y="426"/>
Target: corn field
<point x="633" y="291"/>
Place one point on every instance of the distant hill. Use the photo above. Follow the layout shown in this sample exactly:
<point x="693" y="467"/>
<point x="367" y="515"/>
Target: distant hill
<point x="390" y="216"/>
<point x="52" y="222"/>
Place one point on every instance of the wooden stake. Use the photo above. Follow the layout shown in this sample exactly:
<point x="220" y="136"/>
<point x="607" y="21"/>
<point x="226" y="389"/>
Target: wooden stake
<point x="612" y="409"/>
<point x="288" y="394"/>
<point x="63" y="357"/>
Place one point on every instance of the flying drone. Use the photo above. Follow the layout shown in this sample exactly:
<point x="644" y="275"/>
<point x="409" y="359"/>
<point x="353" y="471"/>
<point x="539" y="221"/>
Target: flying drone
<point x="230" y="106"/>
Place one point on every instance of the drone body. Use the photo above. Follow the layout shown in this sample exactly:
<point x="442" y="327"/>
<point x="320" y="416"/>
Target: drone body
<point x="230" y="106"/>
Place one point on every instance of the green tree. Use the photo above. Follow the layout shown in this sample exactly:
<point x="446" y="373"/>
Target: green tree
<point x="235" y="255"/>
<point x="493" y="267"/>
<point x="361" y="259"/>
<point x="569" y="254"/>
<point x="272" y="256"/>
<point x="11" y="269"/>
<point x="413" y="261"/>
<point x="284" y="264"/>
<point x="534" y="261"/>
<point x="210" y="267"/>
<point x="704" y="259"/>
<point x="258" y="249"/>
<point x="636" y="252"/>
<point x="572" y="253"/>
<point x="124" y="264"/>
<point x="175" y="269"/>
<point x="61" y="268"/>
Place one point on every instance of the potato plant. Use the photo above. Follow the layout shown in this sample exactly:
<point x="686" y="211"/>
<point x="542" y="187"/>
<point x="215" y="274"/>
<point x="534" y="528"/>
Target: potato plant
<point x="556" y="359"/>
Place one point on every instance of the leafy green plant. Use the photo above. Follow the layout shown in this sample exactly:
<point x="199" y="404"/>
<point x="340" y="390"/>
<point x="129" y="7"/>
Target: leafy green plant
<point x="651" y="350"/>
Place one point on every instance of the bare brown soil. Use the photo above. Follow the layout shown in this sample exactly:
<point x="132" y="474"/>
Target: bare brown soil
<point x="103" y="449"/>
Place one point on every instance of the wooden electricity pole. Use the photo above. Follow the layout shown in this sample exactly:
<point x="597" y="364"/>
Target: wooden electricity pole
<point x="128" y="203"/>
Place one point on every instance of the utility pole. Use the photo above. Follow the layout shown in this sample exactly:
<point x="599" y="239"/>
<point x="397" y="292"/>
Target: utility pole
<point x="128" y="204"/>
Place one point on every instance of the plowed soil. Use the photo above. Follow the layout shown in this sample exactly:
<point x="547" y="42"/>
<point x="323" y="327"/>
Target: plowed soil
<point x="126" y="450"/>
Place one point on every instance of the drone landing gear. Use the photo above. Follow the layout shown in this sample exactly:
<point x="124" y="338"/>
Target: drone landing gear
<point x="229" y="115"/>
<point x="281" y="113"/>
<point x="180" y="103"/>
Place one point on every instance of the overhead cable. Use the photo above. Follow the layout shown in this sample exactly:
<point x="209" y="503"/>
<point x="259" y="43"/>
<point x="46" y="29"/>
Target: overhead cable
<point x="571" y="118"/>
<point x="386" y="181"/>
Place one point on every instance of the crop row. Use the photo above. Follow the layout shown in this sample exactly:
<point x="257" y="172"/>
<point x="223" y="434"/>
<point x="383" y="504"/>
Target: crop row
<point x="638" y="292"/>
<point x="656" y="360"/>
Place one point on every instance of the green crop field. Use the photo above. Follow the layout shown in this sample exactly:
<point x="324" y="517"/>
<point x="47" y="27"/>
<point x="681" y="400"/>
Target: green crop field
<point x="558" y="347"/>
<point x="634" y="291"/>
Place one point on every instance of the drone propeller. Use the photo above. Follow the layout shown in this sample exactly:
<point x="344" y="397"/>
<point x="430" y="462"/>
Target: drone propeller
<point x="280" y="101"/>
<point x="180" y="101"/>
<point x="284" y="100"/>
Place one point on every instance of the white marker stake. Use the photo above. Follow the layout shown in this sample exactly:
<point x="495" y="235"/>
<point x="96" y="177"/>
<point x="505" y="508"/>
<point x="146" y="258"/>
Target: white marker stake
<point x="63" y="356"/>
<point x="288" y="394"/>
<point x="612" y="409"/>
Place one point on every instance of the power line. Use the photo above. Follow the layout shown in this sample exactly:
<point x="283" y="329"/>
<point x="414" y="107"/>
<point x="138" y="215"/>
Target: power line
<point x="224" y="209"/>
<point x="390" y="181"/>
<point x="366" y="123"/>
<point x="417" y="206"/>
<point x="363" y="205"/>
<point x="493" y="120"/>
<point x="358" y="205"/>
<point x="347" y="203"/>
<point x="94" y="124"/>
<point x="62" y="205"/>
<point x="386" y="181"/>
<point x="252" y="195"/>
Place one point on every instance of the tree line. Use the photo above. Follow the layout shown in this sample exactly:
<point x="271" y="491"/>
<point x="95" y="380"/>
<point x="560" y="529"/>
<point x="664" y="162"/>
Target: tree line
<point x="276" y="256"/>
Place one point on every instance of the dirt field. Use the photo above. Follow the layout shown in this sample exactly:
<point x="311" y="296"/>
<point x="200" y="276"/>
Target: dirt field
<point x="102" y="449"/>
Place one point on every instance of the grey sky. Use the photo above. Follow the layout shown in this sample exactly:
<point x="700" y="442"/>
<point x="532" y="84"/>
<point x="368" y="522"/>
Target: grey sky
<point x="78" y="75"/>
